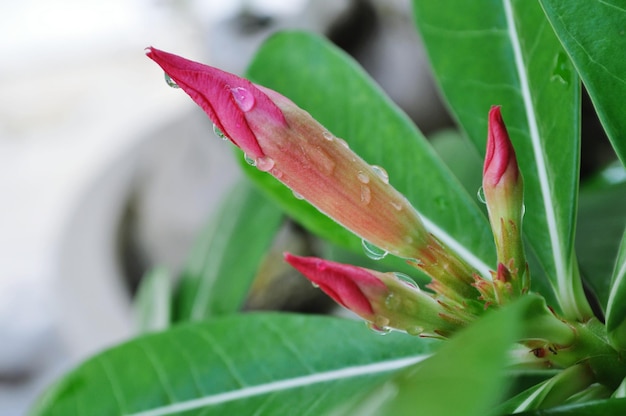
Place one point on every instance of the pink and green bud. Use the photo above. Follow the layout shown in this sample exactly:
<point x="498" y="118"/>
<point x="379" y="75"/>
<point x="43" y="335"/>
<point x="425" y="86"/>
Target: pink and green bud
<point x="504" y="194"/>
<point x="287" y="142"/>
<point x="384" y="299"/>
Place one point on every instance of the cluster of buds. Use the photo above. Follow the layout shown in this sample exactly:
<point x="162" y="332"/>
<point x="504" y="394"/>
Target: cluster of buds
<point x="285" y="141"/>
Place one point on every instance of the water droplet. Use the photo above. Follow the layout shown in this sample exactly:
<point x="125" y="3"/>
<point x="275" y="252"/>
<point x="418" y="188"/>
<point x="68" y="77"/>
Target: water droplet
<point x="481" y="195"/>
<point x="406" y="280"/>
<point x="277" y="173"/>
<point x="170" y="81"/>
<point x="315" y="285"/>
<point x="321" y="159"/>
<point x="343" y="143"/>
<point x="328" y="136"/>
<point x="373" y="252"/>
<point x="363" y="177"/>
<point x="393" y="301"/>
<point x="562" y="71"/>
<point x="381" y="173"/>
<point x="377" y="329"/>
<point x="219" y="133"/>
<point x="250" y="161"/>
<point x="397" y="205"/>
<point x="381" y="321"/>
<point x="366" y="194"/>
<point x="297" y="195"/>
<point x="265" y="163"/>
<point x="244" y="98"/>
<point x="414" y="330"/>
<point x="523" y="209"/>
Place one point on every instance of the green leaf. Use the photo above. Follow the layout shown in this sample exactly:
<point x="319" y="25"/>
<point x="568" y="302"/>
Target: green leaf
<point x="153" y="302"/>
<point x="592" y="32"/>
<point x="261" y="364"/>
<point x="601" y="221"/>
<point x="593" y="408"/>
<point x="227" y="255"/>
<point x="490" y="52"/>
<point x="340" y="95"/>
<point x="466" y="377"/>
<point x="616" y="307"/>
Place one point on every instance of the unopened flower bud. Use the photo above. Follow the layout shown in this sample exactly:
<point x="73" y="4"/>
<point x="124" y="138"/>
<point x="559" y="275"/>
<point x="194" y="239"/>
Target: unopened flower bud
<point x="384" y="299"/>
<point x="504" y="193"/>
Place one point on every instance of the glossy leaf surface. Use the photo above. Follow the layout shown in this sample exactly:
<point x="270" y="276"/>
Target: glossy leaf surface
<point x="466" y="377"/>
<point x="593" y="35"/>
<point x="492" y="52"/>
<point x="262" y="364"/>
<point x="337" y="92"/>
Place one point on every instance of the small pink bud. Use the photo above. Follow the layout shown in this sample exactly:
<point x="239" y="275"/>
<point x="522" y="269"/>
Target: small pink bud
<point x="384" y="299"/>
<point x="500" y="158"/>
<point x="350" y="286"/>
<point x="504" y="194"/>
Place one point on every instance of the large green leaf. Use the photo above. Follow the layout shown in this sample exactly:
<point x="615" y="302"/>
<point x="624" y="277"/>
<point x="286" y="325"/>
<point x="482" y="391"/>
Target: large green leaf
<point x="261" y="364"/>
<point x="490" y="52"/>
<point x="601" y="221"/>
<point x="592" y="32"/>
<point x="336" y="91"/>
<point x="616" y="309"/>
<point x="227" y="255"/>
<point x="466" y="377"/>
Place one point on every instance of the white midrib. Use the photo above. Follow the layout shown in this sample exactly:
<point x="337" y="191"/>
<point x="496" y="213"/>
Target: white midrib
<point x="281" y="385"/>
<point x="457" y="247"/>
<point x="566" y="294"/>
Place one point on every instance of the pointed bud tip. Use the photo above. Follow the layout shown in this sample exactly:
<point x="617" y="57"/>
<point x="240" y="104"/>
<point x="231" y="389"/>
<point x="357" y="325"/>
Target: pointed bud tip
<point x="500" y="154"/>
<point x="348" y="285"/>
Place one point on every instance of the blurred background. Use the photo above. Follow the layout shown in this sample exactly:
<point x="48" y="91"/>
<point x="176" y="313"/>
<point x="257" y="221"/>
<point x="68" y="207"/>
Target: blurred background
<point x="106" y="172"/>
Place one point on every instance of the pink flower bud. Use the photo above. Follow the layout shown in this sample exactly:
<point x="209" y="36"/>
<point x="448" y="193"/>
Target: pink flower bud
<point x="383" y="299"/>
<point x="287" y="142"/>
<point x="504" y="194"/>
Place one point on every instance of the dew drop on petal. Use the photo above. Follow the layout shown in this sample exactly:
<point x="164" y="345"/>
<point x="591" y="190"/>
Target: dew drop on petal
<point x="244" y="98"/>
<point x="265" y="163"/>
<point x="315" y="285"/>
<point x="397" y="205"/>
<point x="363" y="177"/>
<point x="373" y="252"/>
<point x="343" y="143"/>
<point x="377" y="329"/>
<point x="277" y="173"/>
<point x="406" y="280"/>
<point x="328" y="136"/>
<point x="170" y="81"/>
<point x="219" y="133"/>
<point x="366" y="194"/>
<point x="414" y="330"/>
<point x="393" y="301"/>
<point x="250" y="161"/>
<point x="381" y="173"/>
<point x="297" y="195"/>
<point x="481" y="195"/>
